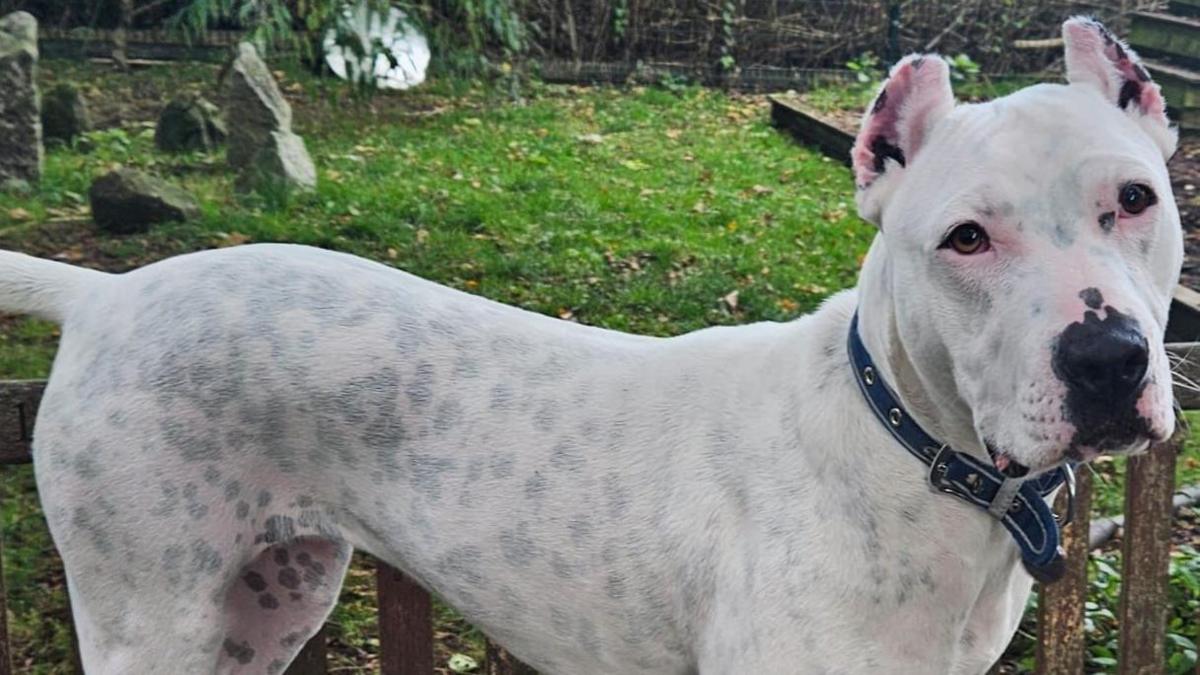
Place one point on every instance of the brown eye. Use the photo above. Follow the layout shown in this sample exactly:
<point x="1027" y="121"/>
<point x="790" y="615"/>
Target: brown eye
<point x="1136" y="198"/>
<point x="968" y="239"/>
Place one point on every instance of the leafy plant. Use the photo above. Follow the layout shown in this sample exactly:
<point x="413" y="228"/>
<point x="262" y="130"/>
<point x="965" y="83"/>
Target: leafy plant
<point x="866" y="67"/>
<point x="620" y="18"/>
<point x="963" y="68"/>
<point x="727" y="61"/>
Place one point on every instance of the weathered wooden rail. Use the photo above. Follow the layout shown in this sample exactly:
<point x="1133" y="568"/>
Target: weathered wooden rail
<point x="405" y="612"/>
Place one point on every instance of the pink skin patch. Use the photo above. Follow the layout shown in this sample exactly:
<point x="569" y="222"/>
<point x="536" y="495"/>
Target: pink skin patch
<point x="279" y="600"/>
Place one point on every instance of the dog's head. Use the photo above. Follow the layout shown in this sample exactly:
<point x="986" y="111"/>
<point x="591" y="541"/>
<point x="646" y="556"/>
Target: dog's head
<point x="1032" y="246"/>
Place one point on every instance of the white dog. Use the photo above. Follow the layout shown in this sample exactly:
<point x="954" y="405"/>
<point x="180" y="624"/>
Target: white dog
<point x="221" y="429"/>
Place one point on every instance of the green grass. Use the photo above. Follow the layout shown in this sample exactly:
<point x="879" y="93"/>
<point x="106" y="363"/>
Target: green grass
<point x="638" y="209"/>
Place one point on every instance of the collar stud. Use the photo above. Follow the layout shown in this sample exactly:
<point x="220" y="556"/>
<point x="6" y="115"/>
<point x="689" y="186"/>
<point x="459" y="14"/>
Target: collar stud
<point x="895" y="417"/>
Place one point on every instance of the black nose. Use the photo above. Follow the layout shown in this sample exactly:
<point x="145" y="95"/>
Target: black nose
<point x="1104" y="361"/>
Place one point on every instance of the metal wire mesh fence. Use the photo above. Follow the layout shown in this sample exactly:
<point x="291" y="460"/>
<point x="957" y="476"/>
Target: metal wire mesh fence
<point x="721" y="36"/>
<point x="1002" y="37"/>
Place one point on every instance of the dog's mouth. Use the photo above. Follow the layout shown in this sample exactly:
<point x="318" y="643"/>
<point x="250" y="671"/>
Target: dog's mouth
<point x="1011" y="468"/>
<point x="1005" y="464"/>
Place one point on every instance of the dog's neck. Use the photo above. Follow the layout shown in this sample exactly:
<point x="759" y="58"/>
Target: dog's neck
<point x="925" y="386"/>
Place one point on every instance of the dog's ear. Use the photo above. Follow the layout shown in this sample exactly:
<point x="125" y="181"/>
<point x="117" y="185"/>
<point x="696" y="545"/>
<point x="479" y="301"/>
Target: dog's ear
<point x="1097" y="58"/>
<point x="915" y="96"/>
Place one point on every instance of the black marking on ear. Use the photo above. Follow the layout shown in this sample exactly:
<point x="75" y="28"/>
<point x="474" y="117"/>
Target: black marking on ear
<point x="1141" y="73"/>
<point x="884" y="149"/>
<point x="879" y="102"/>
<point x="1107" y="220"/>
<point x="918" y="62"/>
<point x="1121" y="55"/>
<point x="1092" y="297"/>
<point x="1130" y="91"/>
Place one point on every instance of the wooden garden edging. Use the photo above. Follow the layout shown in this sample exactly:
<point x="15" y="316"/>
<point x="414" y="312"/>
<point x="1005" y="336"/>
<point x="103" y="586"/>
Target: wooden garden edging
<point x="405" y="616"/>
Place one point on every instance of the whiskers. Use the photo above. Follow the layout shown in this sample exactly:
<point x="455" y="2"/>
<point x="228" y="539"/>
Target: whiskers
<point x="1184" y="368"/>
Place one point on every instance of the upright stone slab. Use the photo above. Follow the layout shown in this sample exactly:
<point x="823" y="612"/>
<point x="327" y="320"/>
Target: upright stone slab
<point x="256" y="107"/>
<point x="20" y="109"/>
<point x="189" y="123"/>
<point x="283" y="163"/>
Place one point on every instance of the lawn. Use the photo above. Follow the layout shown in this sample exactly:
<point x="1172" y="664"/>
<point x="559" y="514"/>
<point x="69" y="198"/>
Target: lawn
<point x="650" y="210"/>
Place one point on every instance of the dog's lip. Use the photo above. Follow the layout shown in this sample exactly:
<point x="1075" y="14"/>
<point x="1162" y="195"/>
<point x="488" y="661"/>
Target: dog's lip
<point x="1004" y="462"/>
<point x="1089" y="453"/>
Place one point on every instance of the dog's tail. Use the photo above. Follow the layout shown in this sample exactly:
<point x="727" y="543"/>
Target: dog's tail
<point x="42" y="288"/>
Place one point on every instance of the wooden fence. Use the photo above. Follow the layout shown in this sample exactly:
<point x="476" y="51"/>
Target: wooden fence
<point x="405" y="622"/>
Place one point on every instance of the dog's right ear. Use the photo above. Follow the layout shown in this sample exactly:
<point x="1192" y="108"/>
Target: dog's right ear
<point x="915" y="96"/>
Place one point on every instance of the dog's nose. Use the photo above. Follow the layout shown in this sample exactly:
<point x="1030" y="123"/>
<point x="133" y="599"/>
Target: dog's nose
<point x="1104" y="363"/>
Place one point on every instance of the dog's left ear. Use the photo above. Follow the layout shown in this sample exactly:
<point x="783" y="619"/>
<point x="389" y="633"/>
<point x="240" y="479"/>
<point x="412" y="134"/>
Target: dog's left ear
<point x="910" y="102"/>
<point x="1097" y="58"/>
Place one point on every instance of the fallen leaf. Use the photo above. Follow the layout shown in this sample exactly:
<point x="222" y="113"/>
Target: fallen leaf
<point x="232" y="239"/>
<point x="731" y="300"/>
<point x="590" y="139"/>
<point x="19" y="214"/>
<point x="461" y="663"/>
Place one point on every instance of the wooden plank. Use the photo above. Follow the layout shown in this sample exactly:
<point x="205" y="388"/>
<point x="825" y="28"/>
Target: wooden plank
<point x="405" y="624"/>
<point x="1062" y="645"/>
<point x="312" y="659"/>
<point x="1183" y="322"/>
<point x="1175" y="37"/>
<point x="19" y="401"/>
<point x="805" y="127"/>
<point x="1149" y="484"/>
<point x="499" y="662"/>
<point x="1184" y="7"/>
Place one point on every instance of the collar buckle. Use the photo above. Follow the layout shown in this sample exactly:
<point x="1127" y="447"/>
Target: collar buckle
<point x="939" y="469"/>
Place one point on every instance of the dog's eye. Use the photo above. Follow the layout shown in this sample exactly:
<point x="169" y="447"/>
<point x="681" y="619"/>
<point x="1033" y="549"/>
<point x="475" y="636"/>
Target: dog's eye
<point x="968" y="239"/>
<point x="1136" y="198"/>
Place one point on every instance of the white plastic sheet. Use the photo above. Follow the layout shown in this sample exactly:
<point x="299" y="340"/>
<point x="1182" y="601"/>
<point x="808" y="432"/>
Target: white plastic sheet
<point x="361" y="22"/>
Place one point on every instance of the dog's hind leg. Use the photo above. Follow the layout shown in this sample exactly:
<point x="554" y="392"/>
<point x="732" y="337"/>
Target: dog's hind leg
<point x="187" y="607"/>
<point x="279" y="601"/>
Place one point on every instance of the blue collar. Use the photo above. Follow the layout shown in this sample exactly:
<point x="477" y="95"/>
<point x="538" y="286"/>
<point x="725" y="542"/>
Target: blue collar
<point x="1018" y="504"/>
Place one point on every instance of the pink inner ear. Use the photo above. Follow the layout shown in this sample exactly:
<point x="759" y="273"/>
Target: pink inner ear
<point x="916" y="90"/>
<point x="1136" y="85"/>
<point x="1097" y="55"/>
